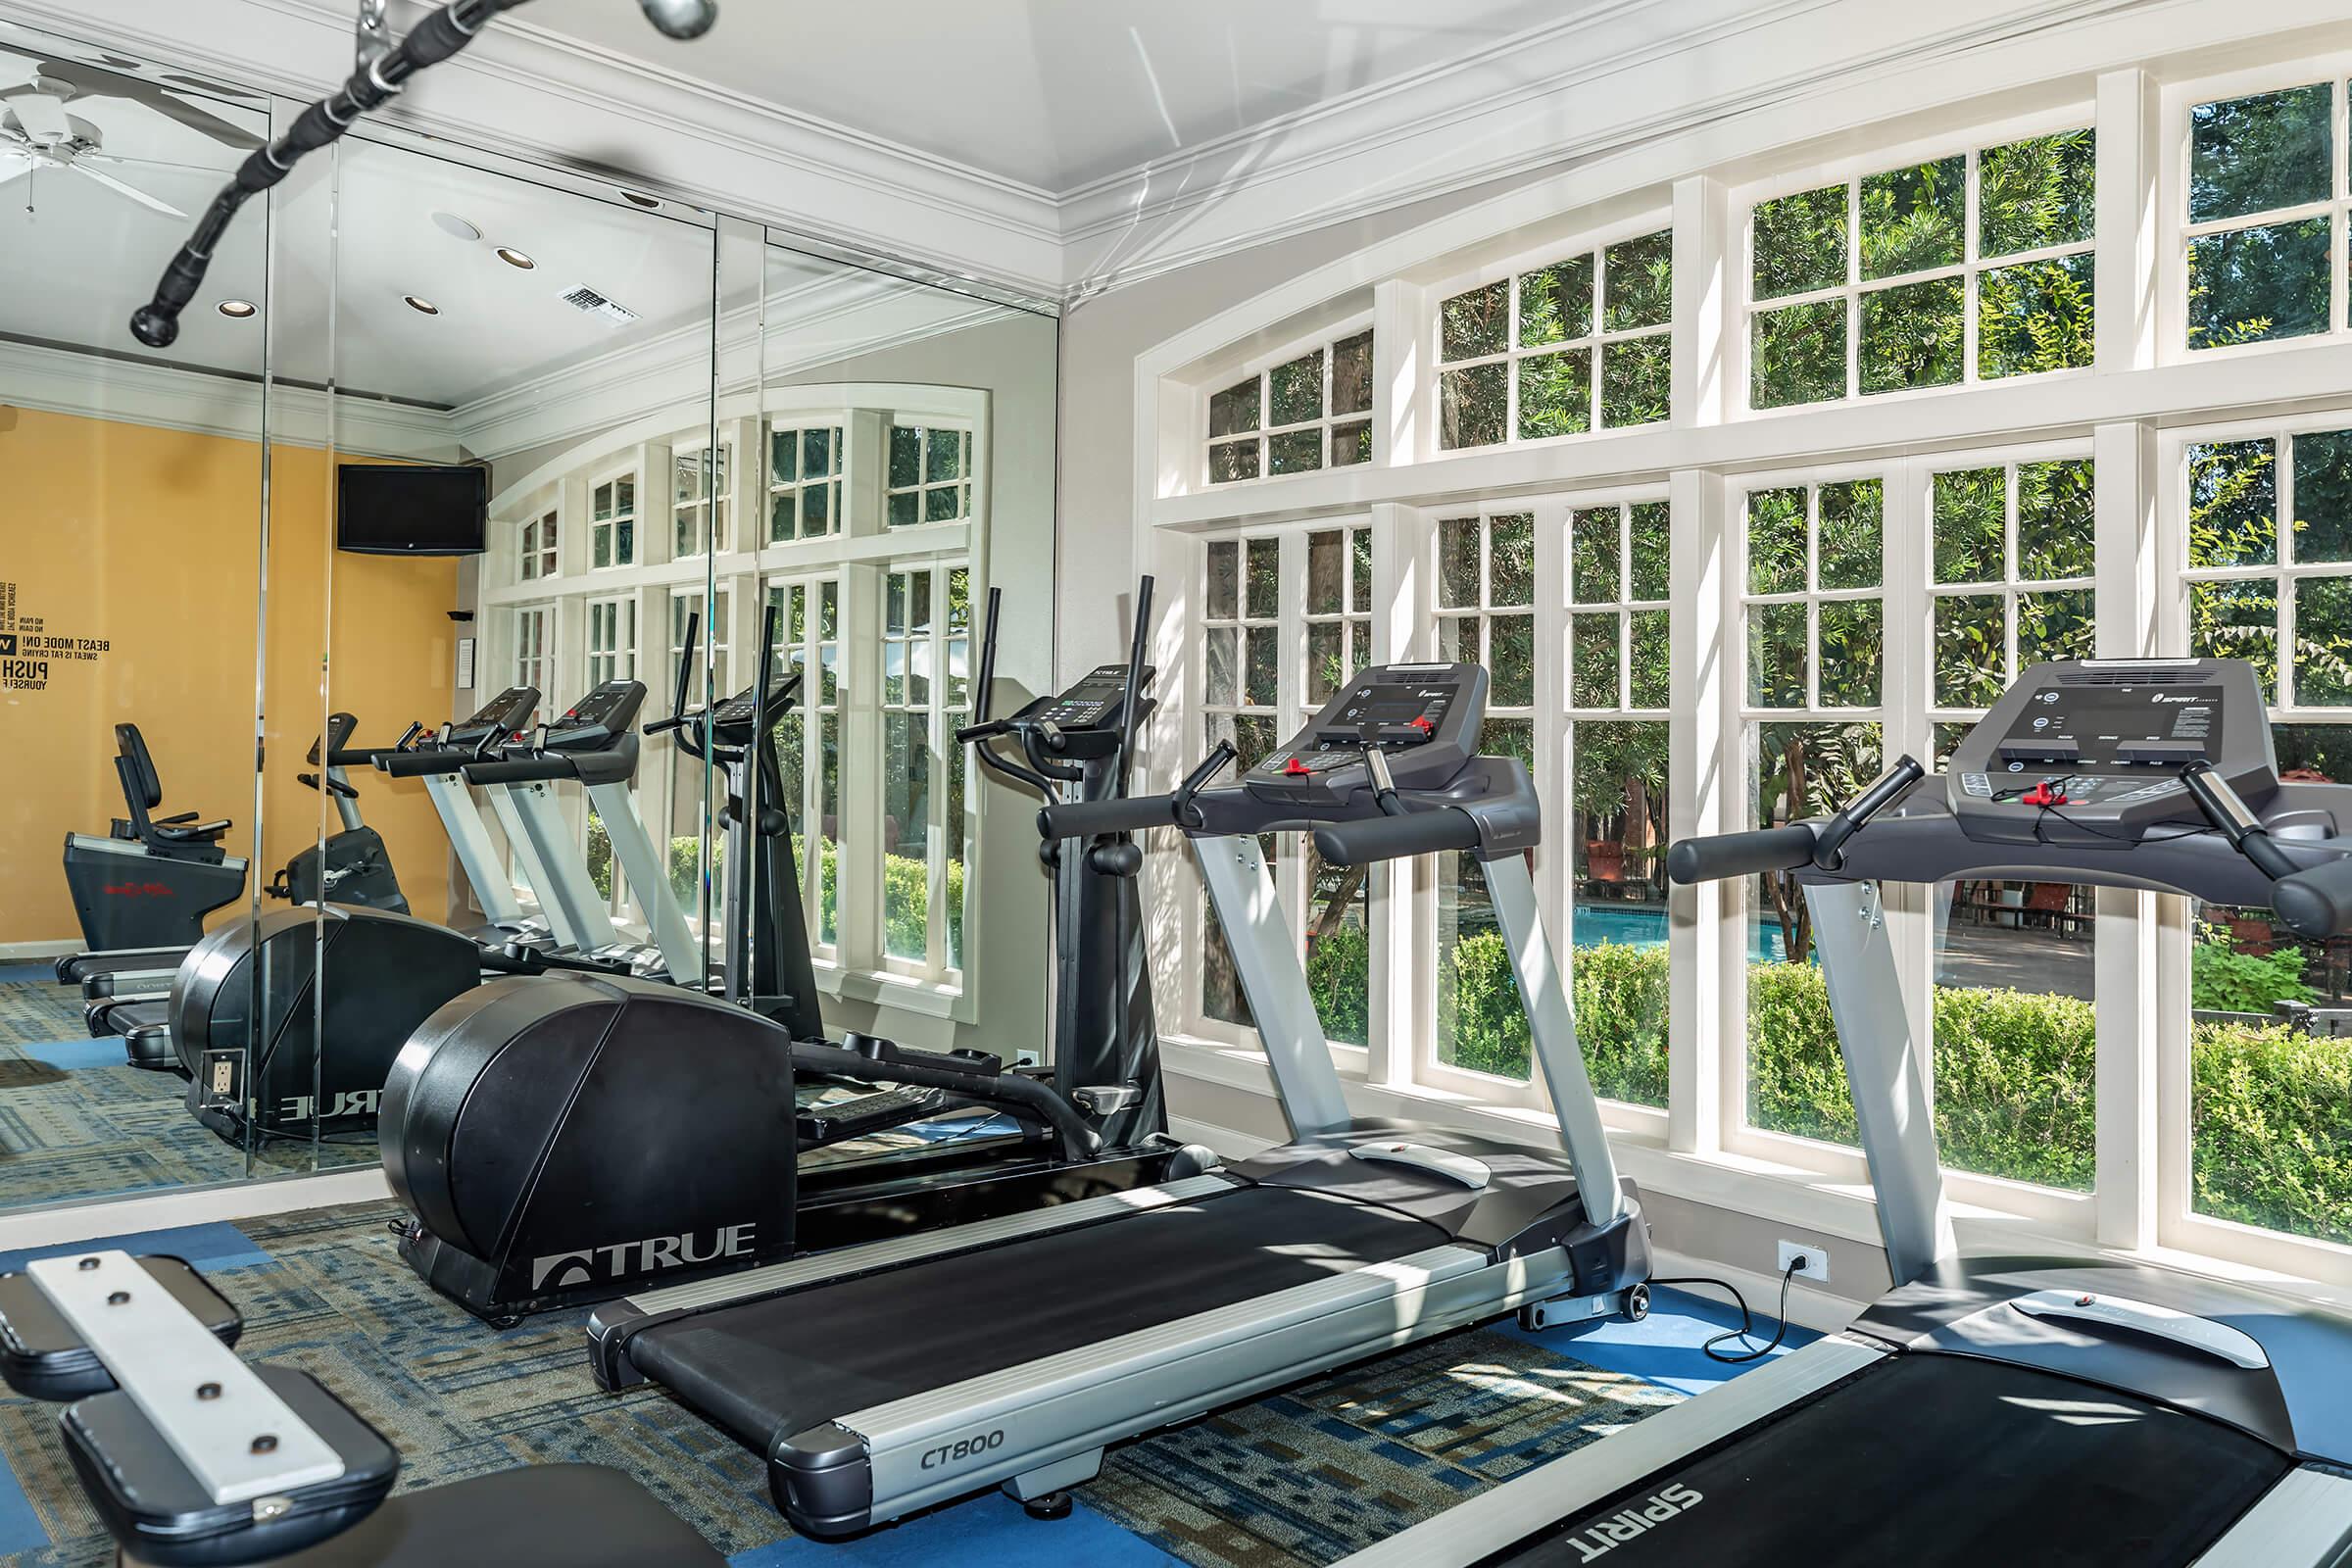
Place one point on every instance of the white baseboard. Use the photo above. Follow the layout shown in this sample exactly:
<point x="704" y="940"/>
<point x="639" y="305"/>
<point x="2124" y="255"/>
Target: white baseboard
<point x="203" y="1205"/>
<point x="20" y="951"/>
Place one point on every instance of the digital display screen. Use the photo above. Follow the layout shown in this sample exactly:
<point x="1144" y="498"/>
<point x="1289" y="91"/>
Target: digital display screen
<point x="2128" y="726"/>
<point x="1375" y="706"/>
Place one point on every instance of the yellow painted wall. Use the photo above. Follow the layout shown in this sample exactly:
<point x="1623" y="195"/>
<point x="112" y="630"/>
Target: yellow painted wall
<point x="147" y="539"/>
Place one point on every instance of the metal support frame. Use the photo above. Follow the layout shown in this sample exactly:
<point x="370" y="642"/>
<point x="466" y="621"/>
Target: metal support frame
<point x="1551" y="1025"/>
<point x="374" y="36"/>
<point x="559" y="872"/>
<point x="1884" y="1070"/>
<point x="476" y="855"/>
<point x="1266" y="954"/>
<point x="641" y="864"/>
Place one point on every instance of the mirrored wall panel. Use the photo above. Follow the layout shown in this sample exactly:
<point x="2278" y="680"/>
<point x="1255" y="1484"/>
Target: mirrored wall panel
<point x="132" y="606"/>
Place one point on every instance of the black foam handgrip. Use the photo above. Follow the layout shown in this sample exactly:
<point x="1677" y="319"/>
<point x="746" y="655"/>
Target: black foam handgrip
<point x="519" y="771"/>
<point x="1395" y="838"/>
<point x="416" y="764"/>
<point x="1724" y="855"/>
<point x="2316" y="904"/>
<point x="1086" y="820"/>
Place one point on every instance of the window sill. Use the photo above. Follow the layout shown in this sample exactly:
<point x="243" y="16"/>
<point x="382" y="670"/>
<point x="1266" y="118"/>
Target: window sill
<point x="1749" y="1184"/>
<point x="906" y="993"/>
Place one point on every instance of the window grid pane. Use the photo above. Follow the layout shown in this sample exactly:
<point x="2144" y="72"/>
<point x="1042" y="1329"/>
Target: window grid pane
<point x="1309" y="411"/>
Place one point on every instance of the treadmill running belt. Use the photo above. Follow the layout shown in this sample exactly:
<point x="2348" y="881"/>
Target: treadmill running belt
<point x="771" y="1368"/>
<point x="1937" y="1461"/>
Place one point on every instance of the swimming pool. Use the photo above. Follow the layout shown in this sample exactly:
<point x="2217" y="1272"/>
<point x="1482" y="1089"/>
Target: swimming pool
<point x="1637" y="927"/>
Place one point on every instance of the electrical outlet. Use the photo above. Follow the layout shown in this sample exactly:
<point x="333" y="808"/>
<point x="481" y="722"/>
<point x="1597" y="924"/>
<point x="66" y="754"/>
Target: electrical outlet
<point x="1817" y="1261"/>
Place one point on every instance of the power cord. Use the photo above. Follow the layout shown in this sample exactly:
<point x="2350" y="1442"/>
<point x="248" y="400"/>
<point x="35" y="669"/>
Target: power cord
<point x="1747" y="1322"/>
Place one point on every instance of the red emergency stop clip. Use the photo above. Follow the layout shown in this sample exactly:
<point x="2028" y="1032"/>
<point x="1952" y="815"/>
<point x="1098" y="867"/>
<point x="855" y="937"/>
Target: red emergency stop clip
<point x="1424" y="724"/>
<point x="2043" y="794"/>
<point x="1297" y="767"/>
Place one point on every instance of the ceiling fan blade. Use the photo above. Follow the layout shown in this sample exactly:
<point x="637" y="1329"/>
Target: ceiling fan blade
<point x="96" y="81"/>
<point x="212" y="171"/>
<point x="13" y="167"/>
<point x="132" y="191"/>
<point x="42" y="116"/>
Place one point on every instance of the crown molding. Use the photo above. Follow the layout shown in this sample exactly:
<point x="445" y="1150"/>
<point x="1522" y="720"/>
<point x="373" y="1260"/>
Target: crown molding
<point x="526" y="94"/>
<point x="95" y="387"/>
<point x="1605" y="82"/>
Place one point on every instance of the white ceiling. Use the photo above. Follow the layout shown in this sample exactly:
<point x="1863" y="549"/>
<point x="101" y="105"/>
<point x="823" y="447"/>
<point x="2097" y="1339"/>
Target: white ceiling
<point x="1058" y="93"/>
<point x="75" y="258"/>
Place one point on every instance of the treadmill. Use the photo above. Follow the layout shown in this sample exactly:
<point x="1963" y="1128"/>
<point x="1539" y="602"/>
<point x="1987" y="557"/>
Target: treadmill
<point x="861" y="1375"/>
<point x="2057" y="1410"/>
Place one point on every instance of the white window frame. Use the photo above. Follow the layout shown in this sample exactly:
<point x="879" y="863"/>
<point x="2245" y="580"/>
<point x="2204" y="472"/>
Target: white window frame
<point x="965" y="484"/>
<point x="536" y="541"/>
<point x="1853" y="172"/>
<point x="834" y="484"/>
<point x="614" y="657"/>
<point x="811" y="654"/>
<point x="1594" y="344"/>
<point x="940" y="722"/>
<point x="1261" y="367"/>
<point x="609" y="528"/>
<point x="2180" y="100"/>
<point x="713" y="501"/>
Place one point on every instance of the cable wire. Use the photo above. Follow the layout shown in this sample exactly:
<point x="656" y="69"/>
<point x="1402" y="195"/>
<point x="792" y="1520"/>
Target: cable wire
<point x="1747" y="1322"/>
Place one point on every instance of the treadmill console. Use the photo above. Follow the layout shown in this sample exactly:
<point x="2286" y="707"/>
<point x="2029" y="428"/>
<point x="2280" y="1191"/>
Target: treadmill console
<point x="1424" y="718"/>
<point x="2090" y="750"/>
<point x="600" y="720"/>
<point x="508" y="713"/>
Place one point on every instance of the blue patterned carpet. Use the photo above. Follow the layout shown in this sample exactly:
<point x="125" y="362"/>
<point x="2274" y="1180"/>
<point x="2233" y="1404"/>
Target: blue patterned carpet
<point x="1293" y="1480"/>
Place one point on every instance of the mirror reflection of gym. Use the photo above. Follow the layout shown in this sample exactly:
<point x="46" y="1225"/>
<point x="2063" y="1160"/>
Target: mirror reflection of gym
<point x="130" y="594"/>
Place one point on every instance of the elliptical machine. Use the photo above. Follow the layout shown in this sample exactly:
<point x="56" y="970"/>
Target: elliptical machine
<point x="553" y="1137"/>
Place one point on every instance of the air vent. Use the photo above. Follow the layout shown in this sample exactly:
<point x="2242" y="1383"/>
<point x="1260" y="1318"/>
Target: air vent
<point x="585" y="299"/>
<point x="2139" y="675"/>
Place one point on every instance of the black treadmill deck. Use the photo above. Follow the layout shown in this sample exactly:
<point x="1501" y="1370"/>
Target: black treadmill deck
<point x="1935" y="1461"/>
<point x="771" y="1368"/>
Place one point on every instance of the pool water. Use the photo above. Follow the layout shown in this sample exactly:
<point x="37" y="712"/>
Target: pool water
<point x="1639" y="927"/>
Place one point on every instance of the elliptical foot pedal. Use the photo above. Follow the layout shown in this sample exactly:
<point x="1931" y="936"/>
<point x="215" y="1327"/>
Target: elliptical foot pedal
<point x="843" y="1120"/>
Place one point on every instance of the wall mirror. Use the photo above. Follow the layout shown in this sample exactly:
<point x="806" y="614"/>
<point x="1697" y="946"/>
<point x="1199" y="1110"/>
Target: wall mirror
<point x="131" y="598"/>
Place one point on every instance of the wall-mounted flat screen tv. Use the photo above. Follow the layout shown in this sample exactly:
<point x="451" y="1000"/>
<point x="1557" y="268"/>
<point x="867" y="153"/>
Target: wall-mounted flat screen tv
<point x="389" y="508"/>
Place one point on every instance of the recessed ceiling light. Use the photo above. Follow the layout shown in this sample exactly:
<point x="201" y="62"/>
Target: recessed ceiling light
<point x="641" y="199"/>
<point x="238" y="310"/>
<point x="515" y="258"/>
<point x="421" y="307"/>
<point x="456" y="227"/>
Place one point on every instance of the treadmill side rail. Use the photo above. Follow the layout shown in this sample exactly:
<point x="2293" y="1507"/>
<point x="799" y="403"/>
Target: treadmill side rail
<point x="2305" y="1519"/>
<point x="948" y="1441"/>
<point x="1492" y="1521"/>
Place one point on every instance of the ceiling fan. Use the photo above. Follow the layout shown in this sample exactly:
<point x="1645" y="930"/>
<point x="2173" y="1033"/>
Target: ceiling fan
<point x="36" y="132"/>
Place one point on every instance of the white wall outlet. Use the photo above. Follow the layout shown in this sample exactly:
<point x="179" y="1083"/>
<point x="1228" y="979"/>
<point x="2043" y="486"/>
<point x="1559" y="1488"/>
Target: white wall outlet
<point x="1816" y="1264"/>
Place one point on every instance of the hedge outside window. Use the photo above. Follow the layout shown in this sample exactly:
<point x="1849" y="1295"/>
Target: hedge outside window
<point x="2270" y="561"/>
<point x="1583" y="344"/>
<point x="2263" y="208"/>
<point x="805" y="468"/>
<point x="612" y="639"/>
<point x="1486" y="614"/>
<point x="1338" y="931"/>
<point x="1883" y="284"/>
<point x="926" y="696"/>
<point x="537" y="557"/>
<point x="930" y="475"/>
<point x="1618" y="663"/>
<point x="613" y="521"/>
<point x="1241" y="636"/>
<point x="700" y="508"/>
<point x="1312" y="410"/>
<point x="807" y="740"/>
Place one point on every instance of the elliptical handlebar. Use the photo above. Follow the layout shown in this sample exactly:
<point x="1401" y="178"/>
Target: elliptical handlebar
<point x="1132" y="694"/>
<point x="379" y="78"/>
<point x="678" y="717"/>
